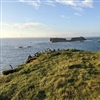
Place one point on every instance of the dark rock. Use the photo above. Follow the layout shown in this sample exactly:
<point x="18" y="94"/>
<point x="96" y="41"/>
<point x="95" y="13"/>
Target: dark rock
<point x="78" y="39"/>
<point x="81" y="39"/>
<point x="20" y="47"/>
<point x="58" y="40"/>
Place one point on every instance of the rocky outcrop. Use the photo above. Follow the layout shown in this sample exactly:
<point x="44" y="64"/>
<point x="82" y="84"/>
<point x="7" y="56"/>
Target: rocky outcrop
<point x="78" y="39"/>
<point x="64" y="39"/>
<point x="58" y="40"/>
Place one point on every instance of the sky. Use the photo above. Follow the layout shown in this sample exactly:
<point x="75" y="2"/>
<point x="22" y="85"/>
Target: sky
<point x="49" y="18"/>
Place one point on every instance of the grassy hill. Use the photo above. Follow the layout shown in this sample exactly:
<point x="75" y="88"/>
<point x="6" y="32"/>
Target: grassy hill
<point x="54" y="75"/>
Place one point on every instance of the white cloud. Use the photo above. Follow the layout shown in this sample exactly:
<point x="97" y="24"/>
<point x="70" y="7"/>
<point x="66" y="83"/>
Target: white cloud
<point x="50" y="2"/>
<point x="28" y="26"/>
<point x="87" y="3"/>
<point x="65" y="17"/>
<point x="34" y="3"/>
<point x="28" y="29"/>
<point x="77" y="14"/>
<point x="78" y="9"/>
<point x="66" y="2"/>
<point x="76" y="4"/>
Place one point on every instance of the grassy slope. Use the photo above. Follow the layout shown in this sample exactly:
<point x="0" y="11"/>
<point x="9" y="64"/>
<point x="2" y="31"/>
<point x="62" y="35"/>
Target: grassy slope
<point x="59" y="75"/>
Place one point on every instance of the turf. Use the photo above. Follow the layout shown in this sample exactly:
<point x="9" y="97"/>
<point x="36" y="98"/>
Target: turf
<point x="54" y="75"/>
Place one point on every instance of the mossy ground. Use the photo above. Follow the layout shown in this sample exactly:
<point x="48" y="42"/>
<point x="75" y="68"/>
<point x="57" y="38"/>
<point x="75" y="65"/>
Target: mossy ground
<point x="55" y="75"/>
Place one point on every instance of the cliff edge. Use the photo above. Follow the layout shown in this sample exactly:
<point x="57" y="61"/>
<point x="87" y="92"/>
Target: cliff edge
<point x="54" y="75"/>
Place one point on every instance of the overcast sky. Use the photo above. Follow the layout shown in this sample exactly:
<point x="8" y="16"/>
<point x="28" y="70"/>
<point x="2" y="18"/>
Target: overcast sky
<point x="50" y="18"/>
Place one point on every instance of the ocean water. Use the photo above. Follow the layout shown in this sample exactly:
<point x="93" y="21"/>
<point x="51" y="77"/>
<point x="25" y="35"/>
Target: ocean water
<point x="14" y="51"/>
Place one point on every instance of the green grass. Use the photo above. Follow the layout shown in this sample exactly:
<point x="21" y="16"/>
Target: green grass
<point x="54" y="75"/>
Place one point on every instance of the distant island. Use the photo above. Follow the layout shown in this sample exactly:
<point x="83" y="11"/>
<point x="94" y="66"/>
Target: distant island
<point x="81" y="39"/>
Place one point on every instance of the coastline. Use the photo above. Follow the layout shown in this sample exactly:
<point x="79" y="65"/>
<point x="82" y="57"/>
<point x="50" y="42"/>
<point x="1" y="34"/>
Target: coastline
<point x="11" y="51"/>
<point x="54" y="70"/>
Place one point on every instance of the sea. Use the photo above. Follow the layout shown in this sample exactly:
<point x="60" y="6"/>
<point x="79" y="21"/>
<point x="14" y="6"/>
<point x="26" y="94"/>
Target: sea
<point x="15" y="51"/>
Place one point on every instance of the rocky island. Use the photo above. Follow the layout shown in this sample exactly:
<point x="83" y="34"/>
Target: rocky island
<point x="58" y="40"/>
<point x="81" y="39"/>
